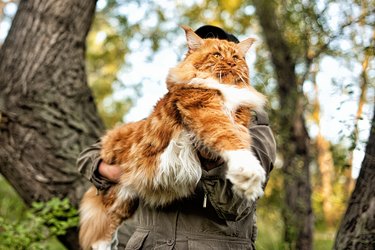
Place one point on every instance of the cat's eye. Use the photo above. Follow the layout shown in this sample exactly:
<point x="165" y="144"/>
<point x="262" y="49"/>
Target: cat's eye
<point x="235" y="58"/>
<point x="218" y="55"/>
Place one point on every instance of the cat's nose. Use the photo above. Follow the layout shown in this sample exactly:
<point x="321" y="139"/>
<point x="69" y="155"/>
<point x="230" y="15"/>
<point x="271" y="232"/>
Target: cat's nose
<point x="231" y="63"/>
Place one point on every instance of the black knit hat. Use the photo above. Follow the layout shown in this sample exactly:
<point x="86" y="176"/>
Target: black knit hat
<point x="210" y="31"/>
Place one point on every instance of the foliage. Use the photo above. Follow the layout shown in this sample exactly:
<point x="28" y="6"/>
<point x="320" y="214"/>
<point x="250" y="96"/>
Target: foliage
<point x="270" y="224"/>
<point x="43" y="221"/>
<point x="105" y="57"/>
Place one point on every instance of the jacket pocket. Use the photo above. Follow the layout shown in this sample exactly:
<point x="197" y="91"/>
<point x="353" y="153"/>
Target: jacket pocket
<point x="137" y="239"/>
<point x="199" y="244"/>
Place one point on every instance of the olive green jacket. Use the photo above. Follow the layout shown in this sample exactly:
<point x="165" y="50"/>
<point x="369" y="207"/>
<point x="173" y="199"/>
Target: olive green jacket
<point x="213" y="218"/>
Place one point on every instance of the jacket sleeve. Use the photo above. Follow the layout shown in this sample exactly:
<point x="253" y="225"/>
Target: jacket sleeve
<point x="229" y="205"/>
<point x="88" y="162"/>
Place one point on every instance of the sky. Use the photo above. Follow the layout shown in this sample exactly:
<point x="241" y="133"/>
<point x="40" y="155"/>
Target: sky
<point x="338" y="110"/>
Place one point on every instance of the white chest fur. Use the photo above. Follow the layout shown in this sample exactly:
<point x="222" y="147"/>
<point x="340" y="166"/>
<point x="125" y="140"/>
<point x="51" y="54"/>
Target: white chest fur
<point x="179" y="167"/>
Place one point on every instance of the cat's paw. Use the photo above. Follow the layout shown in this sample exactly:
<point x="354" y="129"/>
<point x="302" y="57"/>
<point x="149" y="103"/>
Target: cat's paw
<point x="245" y="173"/>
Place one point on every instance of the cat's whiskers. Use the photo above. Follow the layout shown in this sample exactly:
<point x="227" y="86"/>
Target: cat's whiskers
<point x="242" y="76"/>
<point x="242" y="79"/>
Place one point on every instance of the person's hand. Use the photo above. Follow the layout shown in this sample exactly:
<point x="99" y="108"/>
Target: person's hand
<point x="111" y="172"/>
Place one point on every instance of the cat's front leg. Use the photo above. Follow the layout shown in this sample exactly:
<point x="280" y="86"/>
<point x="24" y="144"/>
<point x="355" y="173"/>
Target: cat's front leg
<point x="245" y="173"/>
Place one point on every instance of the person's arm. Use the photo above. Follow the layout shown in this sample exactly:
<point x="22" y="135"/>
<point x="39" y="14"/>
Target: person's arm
<point x="95" y="170"/>
<point x="229" y="205"/>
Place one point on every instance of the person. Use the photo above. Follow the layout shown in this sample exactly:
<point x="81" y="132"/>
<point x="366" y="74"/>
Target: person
<point x="213" y="218"/>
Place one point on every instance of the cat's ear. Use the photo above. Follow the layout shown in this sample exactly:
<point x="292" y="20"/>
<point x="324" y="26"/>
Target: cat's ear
<point x="246" y="44"/>
<point x="193" y="40"/>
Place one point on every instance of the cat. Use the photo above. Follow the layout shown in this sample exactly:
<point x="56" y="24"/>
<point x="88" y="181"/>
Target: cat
<point x="207" y="110"/>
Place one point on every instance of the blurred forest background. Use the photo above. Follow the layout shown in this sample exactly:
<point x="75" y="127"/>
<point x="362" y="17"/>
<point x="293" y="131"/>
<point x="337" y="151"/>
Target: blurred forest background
<point x="313" y="59"/>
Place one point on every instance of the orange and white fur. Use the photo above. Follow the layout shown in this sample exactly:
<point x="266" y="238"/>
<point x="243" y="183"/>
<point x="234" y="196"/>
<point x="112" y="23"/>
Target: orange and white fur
<point x="207" y="109"/>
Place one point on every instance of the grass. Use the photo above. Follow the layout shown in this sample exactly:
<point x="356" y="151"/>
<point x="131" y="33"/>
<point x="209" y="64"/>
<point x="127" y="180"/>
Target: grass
<point x="11" y="206"/>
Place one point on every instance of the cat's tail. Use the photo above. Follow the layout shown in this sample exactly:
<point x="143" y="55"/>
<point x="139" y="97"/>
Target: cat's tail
<point x="95" y="229"/>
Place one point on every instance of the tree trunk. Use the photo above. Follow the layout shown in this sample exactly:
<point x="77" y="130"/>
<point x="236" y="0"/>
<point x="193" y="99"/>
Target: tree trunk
<point x="325" y="164"/>
<point x="47" y="113"/>
<point x="297" y="214"/>
<point x="357" y="229"/>
<point x="324" y="160"/>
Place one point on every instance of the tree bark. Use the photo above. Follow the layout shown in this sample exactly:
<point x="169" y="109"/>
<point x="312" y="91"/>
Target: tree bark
<point x="47" y="112"/>
<point x="298" y="217"/>
<point x="357" y="229"/>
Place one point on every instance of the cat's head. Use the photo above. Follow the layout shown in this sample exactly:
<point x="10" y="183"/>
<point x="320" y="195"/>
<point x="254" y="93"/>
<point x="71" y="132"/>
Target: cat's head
<point x="219" y="59"/>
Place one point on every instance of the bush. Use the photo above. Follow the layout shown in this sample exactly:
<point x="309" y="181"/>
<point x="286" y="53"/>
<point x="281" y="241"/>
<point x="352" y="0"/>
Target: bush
<point x="43" y="221"/>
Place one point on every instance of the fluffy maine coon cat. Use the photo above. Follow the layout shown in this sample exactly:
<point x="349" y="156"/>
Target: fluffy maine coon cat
<point x="207" y="109"/>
